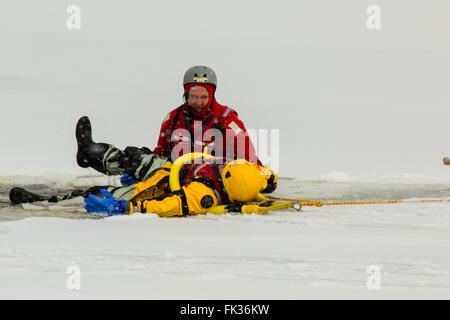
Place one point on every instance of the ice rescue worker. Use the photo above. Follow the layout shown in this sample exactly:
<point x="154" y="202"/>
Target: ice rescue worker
<point x="201" y="186"/>
<point x="204" y="185"/>
<point x="201" y="112"/>
<point x="188" y="128"/>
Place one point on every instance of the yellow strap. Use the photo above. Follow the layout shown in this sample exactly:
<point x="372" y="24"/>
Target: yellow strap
<point x="217" y="210"/>
<point x="252" y="208"/>
<point x="261" y="197"/>
<point x="174" y="178"/>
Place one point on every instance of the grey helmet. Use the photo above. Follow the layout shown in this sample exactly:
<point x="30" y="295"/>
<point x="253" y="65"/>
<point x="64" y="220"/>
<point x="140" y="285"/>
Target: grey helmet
<point x="201" y="74"/>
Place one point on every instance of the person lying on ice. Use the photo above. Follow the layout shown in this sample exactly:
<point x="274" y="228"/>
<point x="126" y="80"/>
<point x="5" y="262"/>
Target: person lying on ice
<point x="202" y="185"/>
<point x="201" y="122"/>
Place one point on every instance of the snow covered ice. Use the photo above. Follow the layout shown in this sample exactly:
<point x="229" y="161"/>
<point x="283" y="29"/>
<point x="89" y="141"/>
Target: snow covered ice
<point x="315" y="253"/>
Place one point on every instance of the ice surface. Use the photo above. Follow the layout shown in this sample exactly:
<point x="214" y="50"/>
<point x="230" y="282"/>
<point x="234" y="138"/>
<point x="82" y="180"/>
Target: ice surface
<point x="318" y="253"/>
<point x="315" y="253"/>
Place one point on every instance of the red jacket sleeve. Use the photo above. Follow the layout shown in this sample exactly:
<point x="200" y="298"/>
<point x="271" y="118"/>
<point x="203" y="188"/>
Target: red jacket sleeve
<point x="163" y="147"/>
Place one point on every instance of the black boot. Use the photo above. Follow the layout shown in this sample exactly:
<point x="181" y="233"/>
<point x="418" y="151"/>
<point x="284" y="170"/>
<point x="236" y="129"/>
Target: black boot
<point x="18" y="195"/>
<point x="89" y="154"/>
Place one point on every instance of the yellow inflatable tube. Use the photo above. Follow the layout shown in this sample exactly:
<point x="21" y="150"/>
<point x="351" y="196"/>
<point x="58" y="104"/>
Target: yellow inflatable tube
<point x="174" y="178"/>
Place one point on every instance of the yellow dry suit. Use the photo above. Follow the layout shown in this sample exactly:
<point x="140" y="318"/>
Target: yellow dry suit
<point x="159" y="194"/>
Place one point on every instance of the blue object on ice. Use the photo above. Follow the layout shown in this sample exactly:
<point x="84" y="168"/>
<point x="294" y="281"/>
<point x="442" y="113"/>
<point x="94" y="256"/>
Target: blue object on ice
<point x="127" y="180"/>
<point x="108" y="205"/>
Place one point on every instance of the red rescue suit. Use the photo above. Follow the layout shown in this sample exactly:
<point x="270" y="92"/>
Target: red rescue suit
<point x="216" y="130"/>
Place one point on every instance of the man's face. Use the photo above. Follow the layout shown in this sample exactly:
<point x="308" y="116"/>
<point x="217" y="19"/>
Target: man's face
<point x="198" y="98"/>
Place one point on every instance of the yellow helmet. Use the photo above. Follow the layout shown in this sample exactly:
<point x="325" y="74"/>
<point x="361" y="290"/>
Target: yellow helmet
<point x="242" y="180"/>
